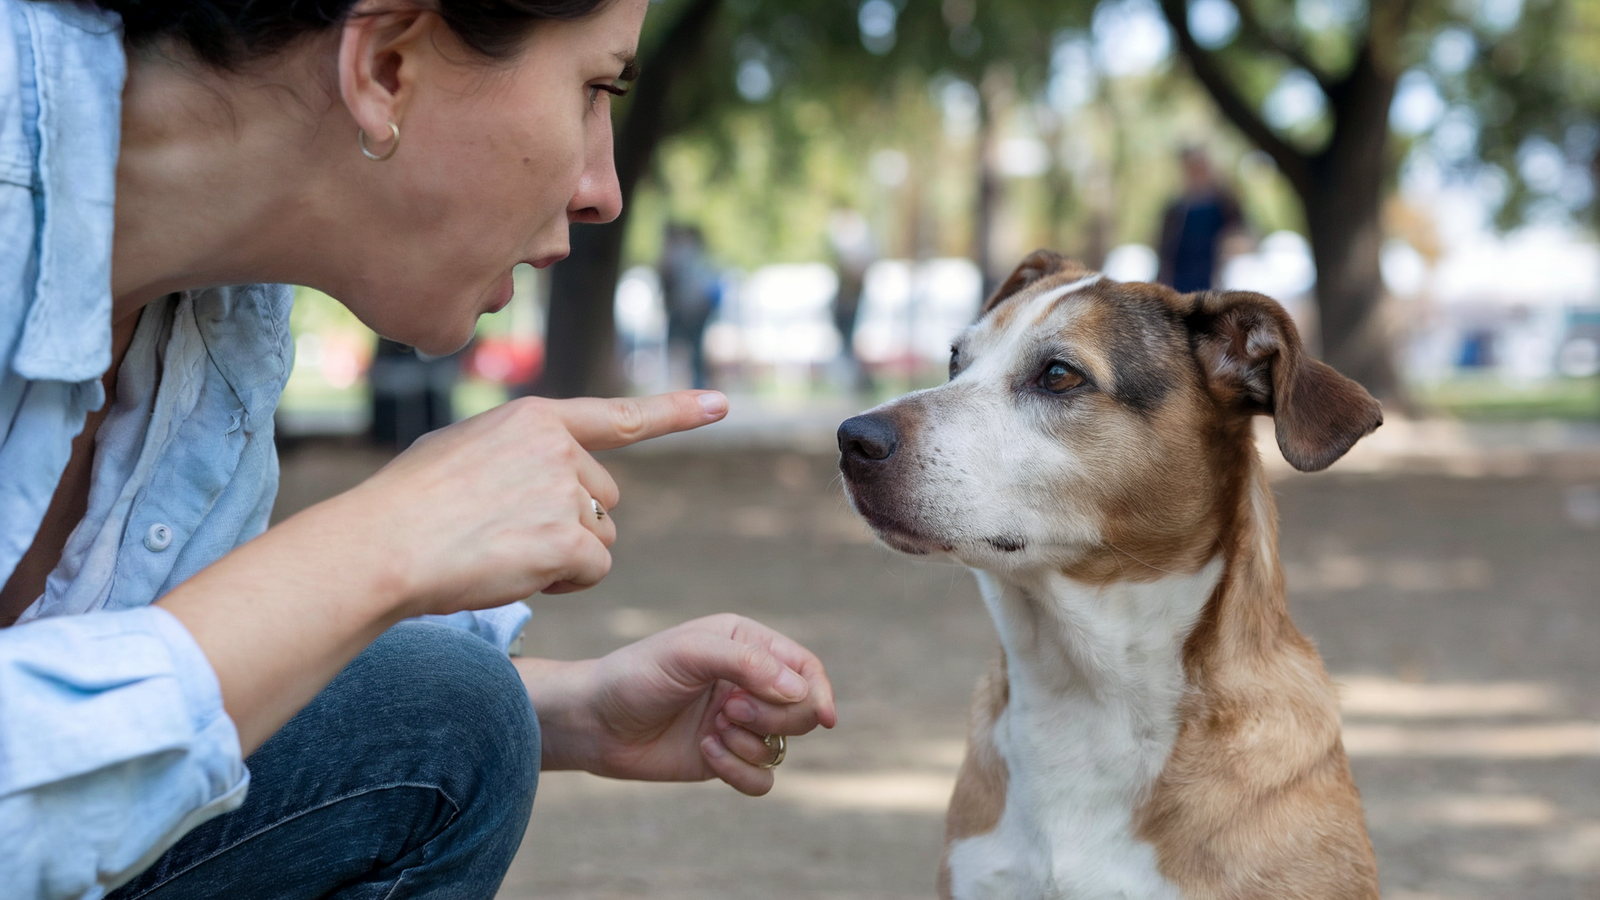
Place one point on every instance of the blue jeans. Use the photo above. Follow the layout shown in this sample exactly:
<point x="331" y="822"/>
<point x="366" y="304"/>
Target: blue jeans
<point x="411" y="775"/>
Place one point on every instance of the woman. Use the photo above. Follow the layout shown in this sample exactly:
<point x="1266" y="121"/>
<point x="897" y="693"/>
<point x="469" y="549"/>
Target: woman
<point x="188" y="709"/>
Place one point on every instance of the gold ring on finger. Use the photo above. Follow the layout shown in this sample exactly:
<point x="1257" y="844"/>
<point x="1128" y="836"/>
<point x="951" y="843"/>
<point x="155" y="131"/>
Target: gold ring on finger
<point x="779" y="748"/>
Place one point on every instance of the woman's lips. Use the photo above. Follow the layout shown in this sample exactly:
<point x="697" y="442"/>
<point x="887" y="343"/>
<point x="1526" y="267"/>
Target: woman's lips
<point x="549" y="261"/>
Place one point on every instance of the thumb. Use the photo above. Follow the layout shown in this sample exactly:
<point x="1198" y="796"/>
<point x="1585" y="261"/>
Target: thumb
<point x="707" y="658"/>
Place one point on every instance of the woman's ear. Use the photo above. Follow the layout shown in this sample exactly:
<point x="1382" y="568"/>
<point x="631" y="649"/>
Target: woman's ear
<point x="1253" y="359"/>
<point x="379" y="62"/>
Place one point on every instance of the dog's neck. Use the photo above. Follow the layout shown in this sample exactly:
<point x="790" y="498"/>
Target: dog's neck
<point x="1097" y="675"/>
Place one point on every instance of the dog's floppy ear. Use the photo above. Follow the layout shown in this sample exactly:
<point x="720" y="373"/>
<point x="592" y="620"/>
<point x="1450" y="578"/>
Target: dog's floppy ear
<point x="1251" y="353"/>
<point x="1037" y="265"/>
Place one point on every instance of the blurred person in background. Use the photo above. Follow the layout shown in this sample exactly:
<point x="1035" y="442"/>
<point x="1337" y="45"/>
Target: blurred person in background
<point x="690" y="288"/>
<point x="1194" y="226"/>
<point x="192" y="705"/>
<point x="854" y="251"/>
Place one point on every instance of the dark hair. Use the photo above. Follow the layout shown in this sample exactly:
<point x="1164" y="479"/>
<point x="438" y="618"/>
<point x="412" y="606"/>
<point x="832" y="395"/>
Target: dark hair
<point x="225" y="33"/>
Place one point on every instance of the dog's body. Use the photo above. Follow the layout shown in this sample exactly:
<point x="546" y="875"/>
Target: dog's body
<point x="1156" y="727"/>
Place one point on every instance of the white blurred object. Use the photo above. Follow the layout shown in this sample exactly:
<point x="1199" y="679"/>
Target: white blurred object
<point x="1533" y="267"/>
<point x="640" y="313"/>
<point x="1405" y="272"/>
<point x="1132" y="262"/>
<point x="641" y="317"/>
<point x="910" y="311"/>
<point x="1023" y="157"/>
<point x="1579" y="358"/>
<point x="889" y="167"/>
<point x="1131" y="37"/>
<point x="782" y="317"/>
<point x="1296" y="100"/>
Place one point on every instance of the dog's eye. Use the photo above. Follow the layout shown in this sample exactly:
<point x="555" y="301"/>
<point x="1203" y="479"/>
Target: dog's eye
<point x="955" y="359"/>
<point x="1058" y="377"/>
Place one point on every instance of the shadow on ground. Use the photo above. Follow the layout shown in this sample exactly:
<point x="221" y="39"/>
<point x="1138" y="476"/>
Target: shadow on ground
<point x="1461" y="614"/>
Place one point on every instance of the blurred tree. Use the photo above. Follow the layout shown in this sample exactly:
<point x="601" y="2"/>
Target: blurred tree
<point x="580" y="337"/>
<point x="1503" y="92"/>
<point x="1313" y="84"/>
<point x="792" y="51"/>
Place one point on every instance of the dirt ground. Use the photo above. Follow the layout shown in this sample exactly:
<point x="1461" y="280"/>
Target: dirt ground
<point x="1460" y="613"/>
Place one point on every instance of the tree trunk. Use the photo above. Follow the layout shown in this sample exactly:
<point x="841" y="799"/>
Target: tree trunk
<point x="581" y="335"/>
<point x="1343" y="198"/>
<point x="986" y="200"/>
<point x="1340" y="187"/>
<point x="1346" y="236"/>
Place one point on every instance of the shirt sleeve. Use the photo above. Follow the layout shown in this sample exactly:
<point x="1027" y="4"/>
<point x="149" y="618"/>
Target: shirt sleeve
<point x="500" y="626"/>
<point x="113" y="745"/>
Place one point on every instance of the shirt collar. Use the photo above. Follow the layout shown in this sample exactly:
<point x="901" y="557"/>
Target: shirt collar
<point x="79" y="67"/>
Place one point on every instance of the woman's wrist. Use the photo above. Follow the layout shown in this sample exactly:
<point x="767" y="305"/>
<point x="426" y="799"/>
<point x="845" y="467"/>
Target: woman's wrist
<point x="562" y="693"/>
<point x="351" y="546"/>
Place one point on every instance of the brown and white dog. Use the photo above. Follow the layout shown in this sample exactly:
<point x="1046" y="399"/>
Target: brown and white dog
<point x="1156" y="726"/>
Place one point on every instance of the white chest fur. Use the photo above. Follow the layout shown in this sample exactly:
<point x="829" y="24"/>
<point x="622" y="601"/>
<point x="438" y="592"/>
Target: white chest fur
<point x="1095" y="676"/>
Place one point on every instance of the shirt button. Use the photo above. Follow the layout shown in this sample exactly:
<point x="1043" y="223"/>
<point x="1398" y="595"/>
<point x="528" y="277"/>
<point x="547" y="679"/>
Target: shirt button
<point x="158" y="538"/>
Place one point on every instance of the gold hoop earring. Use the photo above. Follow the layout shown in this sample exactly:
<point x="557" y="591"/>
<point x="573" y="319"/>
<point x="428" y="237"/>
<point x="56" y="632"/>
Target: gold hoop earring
<point x="361" y="139"/>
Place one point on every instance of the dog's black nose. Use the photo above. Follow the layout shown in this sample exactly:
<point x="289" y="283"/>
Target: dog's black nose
<point x="868" y="437"/>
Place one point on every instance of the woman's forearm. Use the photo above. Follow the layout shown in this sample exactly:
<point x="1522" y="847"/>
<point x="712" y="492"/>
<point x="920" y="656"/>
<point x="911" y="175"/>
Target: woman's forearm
<point x="279" y="617"/>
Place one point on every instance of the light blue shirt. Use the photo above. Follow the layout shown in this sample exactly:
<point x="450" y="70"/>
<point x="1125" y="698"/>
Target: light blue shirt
<point x="113" y="738"/>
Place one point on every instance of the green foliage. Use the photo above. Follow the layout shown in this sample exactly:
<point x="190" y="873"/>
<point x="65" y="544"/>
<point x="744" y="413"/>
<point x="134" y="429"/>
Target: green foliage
<point x="760" y="171"/>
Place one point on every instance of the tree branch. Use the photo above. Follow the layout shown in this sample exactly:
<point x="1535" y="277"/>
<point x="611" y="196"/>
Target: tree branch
<point x="1251" y="26"/>
<point x="1290" y="161"/>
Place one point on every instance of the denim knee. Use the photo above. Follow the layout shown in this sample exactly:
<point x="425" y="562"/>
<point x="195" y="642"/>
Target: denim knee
<point x="456" y="702"/>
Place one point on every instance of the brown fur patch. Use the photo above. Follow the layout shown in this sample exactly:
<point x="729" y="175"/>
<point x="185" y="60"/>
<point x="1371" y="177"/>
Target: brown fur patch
<point x="980" y="793"/>
<point x="1256" y="801"/>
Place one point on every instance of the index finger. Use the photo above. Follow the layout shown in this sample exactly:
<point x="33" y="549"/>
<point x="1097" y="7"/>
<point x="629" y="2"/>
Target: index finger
<point x="604" y="424"/>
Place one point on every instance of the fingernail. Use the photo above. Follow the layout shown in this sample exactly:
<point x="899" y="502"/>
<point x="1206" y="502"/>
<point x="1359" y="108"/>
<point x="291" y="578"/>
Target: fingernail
<point x="713" y="403"/>
<point x="790" y="684"/>
<point x="713" y="748"/>
<point x="740" y="709"/>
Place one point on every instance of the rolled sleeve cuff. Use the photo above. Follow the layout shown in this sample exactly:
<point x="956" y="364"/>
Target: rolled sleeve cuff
<point x="501" y="626"/>
<point x="113" y="744"/>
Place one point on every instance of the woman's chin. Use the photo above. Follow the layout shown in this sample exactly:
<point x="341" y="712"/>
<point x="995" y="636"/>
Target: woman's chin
<point x="441" y="339"/>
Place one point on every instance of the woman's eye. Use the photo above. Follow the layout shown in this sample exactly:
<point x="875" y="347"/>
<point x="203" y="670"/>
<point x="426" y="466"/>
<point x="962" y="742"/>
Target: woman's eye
<point x="1058" y="378"/>
<point x="617" y="88"/>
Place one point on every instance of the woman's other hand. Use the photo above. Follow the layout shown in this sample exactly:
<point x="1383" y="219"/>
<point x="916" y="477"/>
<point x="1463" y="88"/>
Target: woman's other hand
<point x="502" y="505"/>
<point x="688" y="704"/>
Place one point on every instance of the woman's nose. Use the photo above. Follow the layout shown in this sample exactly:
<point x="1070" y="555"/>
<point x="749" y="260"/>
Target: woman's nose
<point x="599" y="195"/>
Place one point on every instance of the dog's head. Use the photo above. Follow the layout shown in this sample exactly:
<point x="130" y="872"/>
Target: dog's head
<point x="1090" y="423"/>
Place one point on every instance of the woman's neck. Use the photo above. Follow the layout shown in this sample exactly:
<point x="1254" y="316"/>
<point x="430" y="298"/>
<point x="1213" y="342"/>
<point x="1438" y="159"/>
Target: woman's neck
<point x="216" y="181"/>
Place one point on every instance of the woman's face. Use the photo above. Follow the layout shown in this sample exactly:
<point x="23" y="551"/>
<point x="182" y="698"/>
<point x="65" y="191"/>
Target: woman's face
<point x="493" y="165"/>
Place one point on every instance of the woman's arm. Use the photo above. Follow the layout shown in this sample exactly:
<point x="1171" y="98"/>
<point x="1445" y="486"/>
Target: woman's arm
<point x="485" y="512"/>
